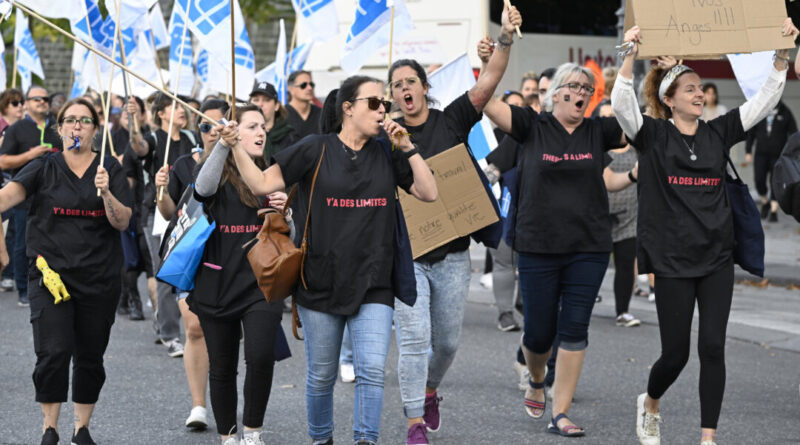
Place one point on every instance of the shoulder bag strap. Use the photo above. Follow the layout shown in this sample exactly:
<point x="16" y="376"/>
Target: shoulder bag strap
<point x="304" y="243"/>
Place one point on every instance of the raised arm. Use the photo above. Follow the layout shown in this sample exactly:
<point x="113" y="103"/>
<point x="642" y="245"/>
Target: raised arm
<point x="623" y="97"/>
<point x="620" y="181"/>
<point x="424" y="186"/>
<point x="138" y="144"/>
<point x="484" y="88"/>
<point x="118" y="215"/>
<point x="261" y="183"/>
<point x="208" y="178"/>
<point x="759" y="106"/>
<point x="165" y="205"/>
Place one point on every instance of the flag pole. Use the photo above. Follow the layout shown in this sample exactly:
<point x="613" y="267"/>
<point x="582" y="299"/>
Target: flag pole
<point x="106" y="130"/>
<point x="158" y="62"/>
<point x="485" y="17"/>
<point x="14" y="76"/>
<point x="391" y="36"/>
<point x="288" y="65"/>
<point x="175" y="89"/>
<point x="519" y="33"/>
<point x="233" y="66"/>
<point x="107" y="101"/>
<point x="113" y="62"/>
<point x="125" y="76"/>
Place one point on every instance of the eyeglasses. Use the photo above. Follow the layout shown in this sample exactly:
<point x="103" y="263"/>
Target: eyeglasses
<point x="374" y="102"/>
<point x="44" y="99"/>
<point x="204" y="127"/>
<point x="577" y="88"/>
<point x="303" y="85"/>
<point x="16" y="103"/>
<point x="410" y="81"/>
<point x="83" y="120"/>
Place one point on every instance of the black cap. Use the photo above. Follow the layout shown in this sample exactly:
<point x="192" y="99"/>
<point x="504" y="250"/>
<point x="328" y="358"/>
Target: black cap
<point x="266" y="89"/>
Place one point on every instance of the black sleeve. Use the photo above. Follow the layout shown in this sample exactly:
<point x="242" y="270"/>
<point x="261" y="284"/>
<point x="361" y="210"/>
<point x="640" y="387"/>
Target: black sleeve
<point x="299" y="160"/>
<point x="149" y="139"/>
<point x="644" y="138"/>
<point x="521" y="121"/>
<point x="607" y="159"/>
<point x="118" y="183"/>
<point x="129" y="162"/>
<point x="462" y="116"/>
<point x="174" y="186"/>
<point x="791" y="124"/>
<point x="29" y="176"/>
<point x="10" y="145"/>
<point x="504" y="157"/>
<point x="612" y="133"/>
<point x="751" y="139"/>
<point x="729" y="127"/>
<point x="402" y="170"/>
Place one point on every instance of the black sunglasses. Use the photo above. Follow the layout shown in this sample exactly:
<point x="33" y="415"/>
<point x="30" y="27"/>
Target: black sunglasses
<point x="44" y="99"/>
<point x="303" y="85"/>
<point x="204" y="127"/>
<point x="17" y="103"/>
<point x="374" y="102"/>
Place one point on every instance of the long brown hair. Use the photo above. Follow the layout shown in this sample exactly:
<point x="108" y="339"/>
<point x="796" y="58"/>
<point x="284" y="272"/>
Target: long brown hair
<point x="230" y="173"/>
<point x="652" y="83"/>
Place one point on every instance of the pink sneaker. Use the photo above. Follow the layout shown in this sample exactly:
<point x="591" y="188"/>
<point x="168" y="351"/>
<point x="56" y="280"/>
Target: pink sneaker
<point x="417" y="435"/>
<point x="431" y="416"/>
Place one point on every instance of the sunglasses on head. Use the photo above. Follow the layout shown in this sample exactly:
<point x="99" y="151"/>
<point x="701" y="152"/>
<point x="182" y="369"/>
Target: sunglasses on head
<point x="303" y="85"/>
<point x="16" y="103"/>
<point x="44" y="99"/>
<point x="204" y="127"/>
<point x="374" y="102"/>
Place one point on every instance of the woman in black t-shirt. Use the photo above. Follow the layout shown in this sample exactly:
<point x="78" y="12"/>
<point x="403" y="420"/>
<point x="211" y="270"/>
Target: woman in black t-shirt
<point x="226" y="297"/>
<point x="563" y="230"/>
<point x="176" y="179"/>
<point x="348" y="267"/>
<point x="77" y="233"/>
<point x="685" y="227"/>
<point x="434" y="322"/>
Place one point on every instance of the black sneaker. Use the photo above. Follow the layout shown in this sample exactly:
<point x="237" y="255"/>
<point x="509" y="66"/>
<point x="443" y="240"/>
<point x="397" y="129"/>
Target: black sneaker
<point x="23" y="301"/>
<point x="764" y="210"/>
<point x="82" y="437"/>
<point x="50" y="436"/>
<point x="773" y="217"/>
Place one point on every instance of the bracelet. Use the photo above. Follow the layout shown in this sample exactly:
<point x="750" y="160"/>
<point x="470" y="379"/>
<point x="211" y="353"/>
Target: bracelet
<point x="412" y="152"/>
<point x="785" y="59"/>
<point x="630" y="177"/>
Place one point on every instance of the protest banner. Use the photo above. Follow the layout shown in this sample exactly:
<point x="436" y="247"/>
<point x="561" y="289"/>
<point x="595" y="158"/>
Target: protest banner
<point x="707" y="29"/>
<point x="463" y="207"/>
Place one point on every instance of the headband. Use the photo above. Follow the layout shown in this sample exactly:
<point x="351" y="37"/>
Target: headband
<point x="672" y="74"/>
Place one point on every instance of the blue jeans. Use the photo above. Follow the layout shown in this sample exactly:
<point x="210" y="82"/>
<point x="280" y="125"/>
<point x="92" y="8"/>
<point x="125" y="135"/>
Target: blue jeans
<point x="370" y="332"/>
<point x="346" y="355"/>
<point x="428" y="333"/>
<point x="571" y="280"/>
<point x="19" y="219"/>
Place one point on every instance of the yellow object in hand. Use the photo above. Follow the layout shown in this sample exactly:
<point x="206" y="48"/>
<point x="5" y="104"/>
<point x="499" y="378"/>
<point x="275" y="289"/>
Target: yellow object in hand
<point x="52" y="280"/>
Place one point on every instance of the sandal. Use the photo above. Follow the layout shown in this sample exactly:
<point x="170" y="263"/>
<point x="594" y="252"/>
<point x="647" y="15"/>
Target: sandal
<point x="535" y="408"/>
<point x="567" y="431"/>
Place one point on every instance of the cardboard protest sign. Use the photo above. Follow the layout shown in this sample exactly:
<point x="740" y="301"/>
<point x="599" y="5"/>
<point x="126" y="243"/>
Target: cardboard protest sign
<point x="463" y="206"/>
<point x="705" y="29"/>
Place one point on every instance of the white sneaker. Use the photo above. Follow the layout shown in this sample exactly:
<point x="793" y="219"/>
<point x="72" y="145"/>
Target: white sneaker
<point x="347" y="373"/>
<point x="523" y="375"/>
<point x="174" y="348"/>
<point x="251" y="438"/>
<point x="647" y="428"/>
<point x="627" y="320"/>
<point x="652" y="297"/>
<point x="6" y="285"/>
<point x="197" y="418"/>
<point x="230" y="441"/>
<point x="486" y="280"/>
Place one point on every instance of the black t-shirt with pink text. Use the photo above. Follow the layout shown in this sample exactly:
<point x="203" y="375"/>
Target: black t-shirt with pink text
<point x="351" y="230"/>
<point x="685" y="227"/>
<point x="67" y="222"/>
<point x="224" y="286"/>
<point x="562" y="203"/>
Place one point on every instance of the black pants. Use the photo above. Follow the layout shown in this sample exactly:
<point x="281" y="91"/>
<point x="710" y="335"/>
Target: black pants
<point x="762" y="165"/>
<point x="222" y="340"/>
<point x="76" y="330"/>
<point x="624" y="261"/>
<point x="675" y="306"/>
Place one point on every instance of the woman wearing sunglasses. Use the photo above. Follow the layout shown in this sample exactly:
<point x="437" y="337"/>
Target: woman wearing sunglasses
<point x="77" y="233"/>
<point x="563" y="232"/>
<point x="347" y="272"/>
<point x="11" y="109"/>
<point x="195" y="355"/>
<point x="434" y="322"/>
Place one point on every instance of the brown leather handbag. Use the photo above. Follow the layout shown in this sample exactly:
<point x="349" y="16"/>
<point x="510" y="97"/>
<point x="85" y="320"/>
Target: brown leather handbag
<point x="275" y="260"/>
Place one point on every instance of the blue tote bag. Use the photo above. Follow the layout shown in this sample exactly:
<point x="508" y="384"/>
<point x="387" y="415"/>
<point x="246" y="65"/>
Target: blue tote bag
<point x="184" y="242"/>
<point x="748" y="250"/>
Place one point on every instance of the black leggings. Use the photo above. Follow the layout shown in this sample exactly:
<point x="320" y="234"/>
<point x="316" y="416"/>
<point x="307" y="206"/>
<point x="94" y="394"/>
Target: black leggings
<point x="762" y="166"/>
<point x="222" y="340"/>
<point x="675" y="306"/>
<point x="624" y="261"/>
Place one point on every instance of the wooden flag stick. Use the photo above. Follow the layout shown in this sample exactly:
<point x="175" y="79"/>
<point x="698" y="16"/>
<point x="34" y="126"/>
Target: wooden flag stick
<point x="519" y="33"/>
<point x="233" y="66"/>
<point x="106" y="130"/>
<point x="113" y="62"/>
<point x="287" y="68"/>
<point x="14" y="76"/>
<point x="107" y="102"/>
<point x="158" y="62"/>
<point x="391" y="37"/>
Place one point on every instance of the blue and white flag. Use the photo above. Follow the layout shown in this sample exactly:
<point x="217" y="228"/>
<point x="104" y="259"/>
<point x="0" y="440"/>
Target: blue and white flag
<point x="57" y="9"/>
<point x="3" y="77"/>
<point x="370" y="31"/>
<point x="751" y="70"/>
<point x="318" y="17"/>
<point x="132" y="13"/>
<point x="180" y="37"/>
<point x="280" y="65"/>
<point x="158" y="28"/>
<point x="139" y="61"/>
<point x="28" y="61"/>
<point x="296" y="61"/>
<point x="447" y="84"/>
<point x="209" y="21"/>
<point x="94" y="28"/>
<point x="201" y="66"/>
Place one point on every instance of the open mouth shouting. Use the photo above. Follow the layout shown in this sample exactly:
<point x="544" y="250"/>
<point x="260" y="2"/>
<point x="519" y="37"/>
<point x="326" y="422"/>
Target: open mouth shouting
<point x="408" y="101"/>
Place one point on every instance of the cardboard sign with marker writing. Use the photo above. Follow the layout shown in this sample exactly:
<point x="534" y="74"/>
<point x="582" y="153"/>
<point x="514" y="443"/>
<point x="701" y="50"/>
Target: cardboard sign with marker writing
<point x="707" y="29"/>
<point x="463" y="206"/>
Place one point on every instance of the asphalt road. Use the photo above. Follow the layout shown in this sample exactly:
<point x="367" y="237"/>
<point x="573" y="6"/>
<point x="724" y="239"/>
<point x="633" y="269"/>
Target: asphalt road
<point x="146" y="399"/>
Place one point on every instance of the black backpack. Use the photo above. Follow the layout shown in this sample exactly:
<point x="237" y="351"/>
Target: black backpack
<point x="786" y="177"/>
